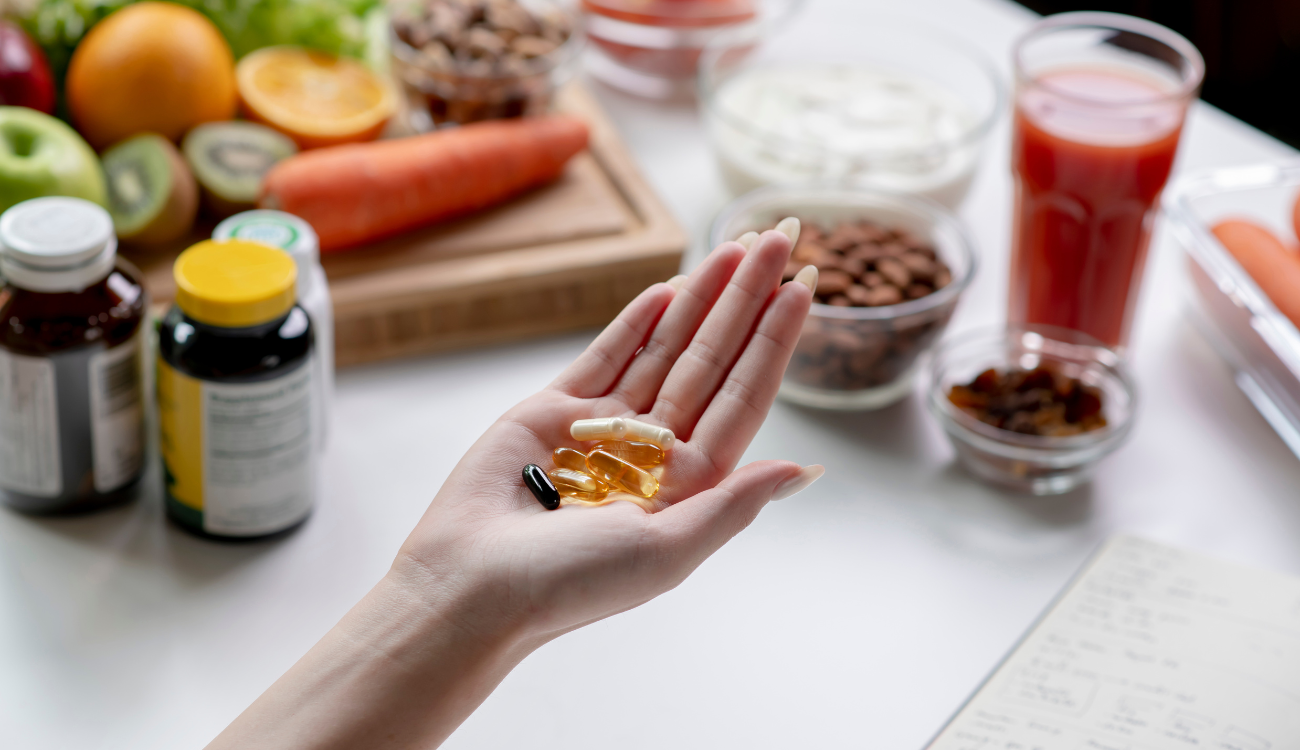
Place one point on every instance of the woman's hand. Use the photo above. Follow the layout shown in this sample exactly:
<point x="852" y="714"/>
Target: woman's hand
<point x="488" y="574"/>
<point x="705" y="361"/>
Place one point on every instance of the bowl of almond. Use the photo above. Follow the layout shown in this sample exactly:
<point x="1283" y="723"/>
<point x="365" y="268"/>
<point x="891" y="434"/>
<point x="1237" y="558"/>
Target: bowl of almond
<point x="462" y="61"/>
<point x="891" y="270"/>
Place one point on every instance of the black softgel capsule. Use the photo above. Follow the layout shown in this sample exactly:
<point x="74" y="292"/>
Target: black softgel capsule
<point x="541" y="487"/>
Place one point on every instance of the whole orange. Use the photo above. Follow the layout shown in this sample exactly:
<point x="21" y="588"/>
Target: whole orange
<point x="150" y="68"/>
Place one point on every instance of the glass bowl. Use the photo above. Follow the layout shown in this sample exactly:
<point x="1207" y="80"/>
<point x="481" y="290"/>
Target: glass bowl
<point x="853" y="358"/>
<point x="1031" y="463"/>
<point x="441" y="90"/>
<point x="652" y="47"/>
<point x="886" y="105"/>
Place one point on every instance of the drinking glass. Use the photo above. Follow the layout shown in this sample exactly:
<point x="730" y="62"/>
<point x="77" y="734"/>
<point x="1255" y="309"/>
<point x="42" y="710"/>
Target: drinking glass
<point x="1099" y="108"/>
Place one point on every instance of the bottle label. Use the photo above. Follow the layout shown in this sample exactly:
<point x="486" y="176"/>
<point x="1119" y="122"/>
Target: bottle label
<point x="268" y="231"/>
<point x="117" y="415"/>
<point x="239" y="458"/>
<point x="29" y="426"/>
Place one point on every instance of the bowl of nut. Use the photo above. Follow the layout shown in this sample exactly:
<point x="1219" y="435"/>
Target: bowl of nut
<point x="462" y="61"/>
<point x="1031" y="409"/>
<point x="891" y="270"/>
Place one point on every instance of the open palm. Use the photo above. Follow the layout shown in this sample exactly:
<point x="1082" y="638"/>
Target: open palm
<point x="704" y="360"/>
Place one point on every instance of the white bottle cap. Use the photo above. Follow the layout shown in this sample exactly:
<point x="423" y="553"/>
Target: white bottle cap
<point x="56" y="244"/>
<point x="275" y="228"/>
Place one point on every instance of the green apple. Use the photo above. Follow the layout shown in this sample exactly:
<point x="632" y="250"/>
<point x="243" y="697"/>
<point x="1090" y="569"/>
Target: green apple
<point x="40" y="156"/>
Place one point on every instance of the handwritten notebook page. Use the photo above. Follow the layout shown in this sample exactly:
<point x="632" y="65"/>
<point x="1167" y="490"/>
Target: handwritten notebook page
<point x="1150" y="648"/>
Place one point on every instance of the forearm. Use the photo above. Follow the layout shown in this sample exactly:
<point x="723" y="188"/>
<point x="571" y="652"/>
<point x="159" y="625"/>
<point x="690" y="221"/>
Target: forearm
<point x="401" y="670"/>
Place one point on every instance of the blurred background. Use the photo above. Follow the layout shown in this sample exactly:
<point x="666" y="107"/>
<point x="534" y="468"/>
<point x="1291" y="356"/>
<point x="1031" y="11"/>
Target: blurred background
<point x="1251" y="49"/>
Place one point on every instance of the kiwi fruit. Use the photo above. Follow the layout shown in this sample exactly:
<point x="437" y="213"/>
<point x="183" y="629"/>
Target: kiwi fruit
<point x="230" y="158"/>
<point x="151" y="192"/>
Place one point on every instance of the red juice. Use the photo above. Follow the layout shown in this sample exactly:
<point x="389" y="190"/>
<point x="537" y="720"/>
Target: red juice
<point x="1091" y="152"/>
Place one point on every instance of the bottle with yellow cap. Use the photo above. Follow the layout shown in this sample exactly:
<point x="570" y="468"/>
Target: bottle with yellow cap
<point x="235" y="393"/>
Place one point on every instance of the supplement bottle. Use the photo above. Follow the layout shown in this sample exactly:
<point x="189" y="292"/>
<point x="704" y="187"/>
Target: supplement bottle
<point x="71" y="373"/>
<point x="235" y="396"/>
<point x="296" y="237"/>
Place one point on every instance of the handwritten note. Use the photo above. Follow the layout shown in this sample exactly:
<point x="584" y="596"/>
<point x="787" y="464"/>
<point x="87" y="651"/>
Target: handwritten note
<point x="1150" y="648"/>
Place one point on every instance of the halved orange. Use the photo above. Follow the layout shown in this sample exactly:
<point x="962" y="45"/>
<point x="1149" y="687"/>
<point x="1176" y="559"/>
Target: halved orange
<point x="315" y="98"/>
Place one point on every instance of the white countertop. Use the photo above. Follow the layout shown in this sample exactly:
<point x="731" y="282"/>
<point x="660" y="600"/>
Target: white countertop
<point x="858" y="614"/>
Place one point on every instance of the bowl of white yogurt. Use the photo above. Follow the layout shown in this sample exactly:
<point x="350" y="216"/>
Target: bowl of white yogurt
<point x="888" y="105"/>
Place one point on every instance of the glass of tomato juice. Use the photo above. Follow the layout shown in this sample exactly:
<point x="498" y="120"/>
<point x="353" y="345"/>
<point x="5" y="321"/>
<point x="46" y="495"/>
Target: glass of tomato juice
<point x="1099" y="108"/>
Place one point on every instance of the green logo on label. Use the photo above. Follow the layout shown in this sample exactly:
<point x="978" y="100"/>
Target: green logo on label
<point x="274" y="234"/>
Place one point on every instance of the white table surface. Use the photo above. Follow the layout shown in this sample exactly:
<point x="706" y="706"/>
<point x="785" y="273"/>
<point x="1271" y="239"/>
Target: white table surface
<point x="858" y="614"/>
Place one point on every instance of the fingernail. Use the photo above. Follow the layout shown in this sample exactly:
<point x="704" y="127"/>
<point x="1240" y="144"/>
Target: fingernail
<point x="789" y="226"/>
<point x="677" y="281"/>
<point x="801" y="480"/>
<point x="747" y="239"/>
<point x="808" y="277"/>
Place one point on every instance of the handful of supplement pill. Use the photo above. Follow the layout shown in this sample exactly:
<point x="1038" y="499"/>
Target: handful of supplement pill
<point x="619" y="463"/>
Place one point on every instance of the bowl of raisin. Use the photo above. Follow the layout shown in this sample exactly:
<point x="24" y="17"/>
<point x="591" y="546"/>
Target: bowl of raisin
<point x="1031" y="409"/>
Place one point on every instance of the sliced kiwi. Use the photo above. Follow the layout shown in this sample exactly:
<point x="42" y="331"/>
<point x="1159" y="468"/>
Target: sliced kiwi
<point x="230" y="158"/>
<point x="151" y="193"/>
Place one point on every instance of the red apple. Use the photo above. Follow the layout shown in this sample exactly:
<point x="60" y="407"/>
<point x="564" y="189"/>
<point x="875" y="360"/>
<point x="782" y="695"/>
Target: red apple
<point x="25" y="79"/>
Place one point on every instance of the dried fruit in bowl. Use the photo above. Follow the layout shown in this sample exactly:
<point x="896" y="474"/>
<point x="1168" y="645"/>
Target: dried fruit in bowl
<point x="1042" y="401"/>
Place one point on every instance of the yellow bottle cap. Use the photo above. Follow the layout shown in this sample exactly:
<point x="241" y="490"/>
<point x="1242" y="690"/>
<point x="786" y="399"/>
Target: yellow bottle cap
<point x="234" y="284"/>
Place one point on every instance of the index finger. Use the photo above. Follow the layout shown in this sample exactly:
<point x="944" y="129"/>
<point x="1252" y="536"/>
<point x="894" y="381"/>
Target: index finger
<point x="694" y="378"/>
<point x="597" y="369"/>
<point x="741" y="404"/>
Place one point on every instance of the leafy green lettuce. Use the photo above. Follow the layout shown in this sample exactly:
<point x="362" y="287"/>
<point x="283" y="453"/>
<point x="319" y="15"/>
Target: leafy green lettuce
<point x="344" y="27"/>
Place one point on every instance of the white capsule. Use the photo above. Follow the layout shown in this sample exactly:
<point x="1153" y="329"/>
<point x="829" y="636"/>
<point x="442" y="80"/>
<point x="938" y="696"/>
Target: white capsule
<point x="598" y="429"/>
<point x="618" y="428"/>
<point x="648" y="433"/>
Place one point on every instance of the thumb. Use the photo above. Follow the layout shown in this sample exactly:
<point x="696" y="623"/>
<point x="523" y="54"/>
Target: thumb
<point x="698" y="526"/>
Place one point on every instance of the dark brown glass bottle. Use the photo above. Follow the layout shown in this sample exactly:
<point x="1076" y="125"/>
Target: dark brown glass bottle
<point x="71" y="374"/>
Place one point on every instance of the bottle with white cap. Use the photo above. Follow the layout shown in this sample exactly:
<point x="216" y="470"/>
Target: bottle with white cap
<point x="296" y="237"/>
<point x="71" y="374"/>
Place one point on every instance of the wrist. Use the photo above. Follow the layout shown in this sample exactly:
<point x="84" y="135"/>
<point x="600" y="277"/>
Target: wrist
<point x="431" y="601"/>
<point x="402" y="669"/>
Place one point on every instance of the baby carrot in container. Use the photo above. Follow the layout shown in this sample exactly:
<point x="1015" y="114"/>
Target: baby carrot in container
<point x="1274" y="267"/>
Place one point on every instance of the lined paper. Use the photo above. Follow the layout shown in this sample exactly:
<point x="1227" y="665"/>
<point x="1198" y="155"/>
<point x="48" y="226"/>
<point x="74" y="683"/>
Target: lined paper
<point x="1150" y="648"/>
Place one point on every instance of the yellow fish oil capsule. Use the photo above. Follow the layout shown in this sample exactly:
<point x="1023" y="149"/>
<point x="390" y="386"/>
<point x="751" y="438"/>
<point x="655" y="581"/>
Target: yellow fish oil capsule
<point x="589" y="499"/>
<point x="621" y="474"/>
<point x="618" y="428"/>
<point x="568" y="480"/>
<point x="644" y="455"/>
<point x="568" y="458"/>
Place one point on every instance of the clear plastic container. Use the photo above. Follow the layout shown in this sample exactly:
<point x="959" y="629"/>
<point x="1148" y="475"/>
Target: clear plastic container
<point x="1243" y="325"/>
<point x="855" y="358"/>
<point x="1031" y="463"/>
<point x="888" y="105"/>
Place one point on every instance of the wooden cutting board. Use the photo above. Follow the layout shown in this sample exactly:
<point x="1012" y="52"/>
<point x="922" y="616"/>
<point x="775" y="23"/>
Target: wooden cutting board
<point x="565" y="257"/>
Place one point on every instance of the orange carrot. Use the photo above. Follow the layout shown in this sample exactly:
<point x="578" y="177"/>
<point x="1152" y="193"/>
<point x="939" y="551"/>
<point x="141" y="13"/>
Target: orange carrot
<point x="1274" y="267"/>
<point x="1295" y="216"/>
<point x="358" y="193"/>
